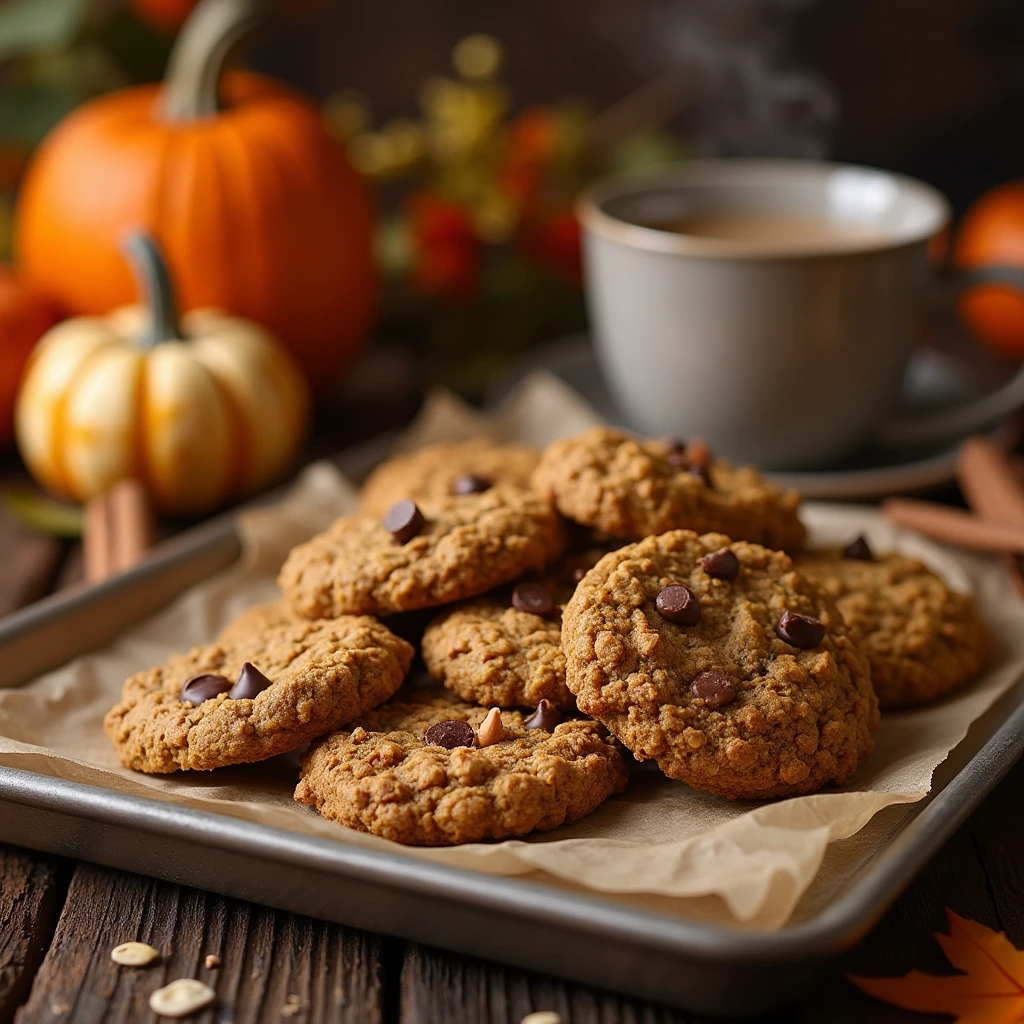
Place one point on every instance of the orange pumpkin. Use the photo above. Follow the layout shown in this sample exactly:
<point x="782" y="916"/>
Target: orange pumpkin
<point x="24" y="318"/>
<point x="992" y="233"/>
<point x="254" y="205"/>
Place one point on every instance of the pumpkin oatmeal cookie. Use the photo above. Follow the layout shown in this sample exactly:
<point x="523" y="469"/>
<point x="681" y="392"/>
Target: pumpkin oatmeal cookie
<point x="718" y="660"/>
<point x="492" y="652"/>
<point x="419" y="556"/>
<point x="256" y="619"/>
<point x="922" y="638"/>
<point x="437" y="772"/>
<point x="256" y="695"/>
<point x="445" y="469"/>
<point x="631" y="487"/>
<point x="505" y="648"/>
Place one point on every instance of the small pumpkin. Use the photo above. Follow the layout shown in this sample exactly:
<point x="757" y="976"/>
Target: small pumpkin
<point x="992" y="233"/>
<point x="204" y="411"/>
<point x="24" y="317"/>
<point x="254" y="204"/>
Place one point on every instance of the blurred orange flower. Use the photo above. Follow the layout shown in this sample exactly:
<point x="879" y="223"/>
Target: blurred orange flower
<point x="555" y="244"/>
<point x="531" y="142"/>
<point x="446" y="250"/>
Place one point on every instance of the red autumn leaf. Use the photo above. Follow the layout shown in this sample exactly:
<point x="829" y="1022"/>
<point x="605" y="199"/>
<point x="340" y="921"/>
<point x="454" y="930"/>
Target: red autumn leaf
<point x="989" y="991"/>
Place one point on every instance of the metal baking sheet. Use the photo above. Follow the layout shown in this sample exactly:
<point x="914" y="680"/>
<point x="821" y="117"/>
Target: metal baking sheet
<point x="580" y="937"/>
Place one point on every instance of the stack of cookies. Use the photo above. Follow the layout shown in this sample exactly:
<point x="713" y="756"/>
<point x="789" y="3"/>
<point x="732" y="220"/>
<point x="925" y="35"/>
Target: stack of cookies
<point x="609" y="594"/>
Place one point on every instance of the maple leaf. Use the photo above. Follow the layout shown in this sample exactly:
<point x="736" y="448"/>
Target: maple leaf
<point x="990" y="991"/>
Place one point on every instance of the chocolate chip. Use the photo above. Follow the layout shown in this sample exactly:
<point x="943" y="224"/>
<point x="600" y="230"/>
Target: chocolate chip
<point x="678" y="604"/>
<point x="859" y="549"/>
<point x="722" y="564"/>
<point x="534" y="598"/>
<point x="578" y="574"/>
<point x="546" y="717"/>
<point x="403" y="521"/>
<point x="251" y="683"/>
<point x="450" y="734"/>
<point x="674" y="443"/>
<point x="714" y="688"/>
<point x="202" y="688"/>
<point x="678" y="460"/>
<point x="470" y="483"/>
<point x="800" y="630"/>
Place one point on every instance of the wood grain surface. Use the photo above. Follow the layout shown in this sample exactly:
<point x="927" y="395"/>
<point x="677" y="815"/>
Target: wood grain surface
<point x="274" y="966"/>
<point x="30" y="563"/>
<point x="283" y="967"/>
<point x="59" y="921"/>
<point x="32" y="890"/>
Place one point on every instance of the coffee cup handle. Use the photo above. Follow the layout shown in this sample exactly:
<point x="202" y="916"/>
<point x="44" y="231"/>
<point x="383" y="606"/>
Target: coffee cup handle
<point x="979" y="413"/>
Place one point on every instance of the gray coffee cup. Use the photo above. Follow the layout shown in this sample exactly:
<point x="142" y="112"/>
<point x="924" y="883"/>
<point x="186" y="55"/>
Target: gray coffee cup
<point x="786" y="355"/>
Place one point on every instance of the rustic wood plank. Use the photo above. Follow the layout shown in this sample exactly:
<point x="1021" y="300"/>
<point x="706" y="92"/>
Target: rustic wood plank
<point x="30" y="560"/>
<point x="32" y="888"/>
<point x="72" y="570"/>
<point x="444" y="988"/>
<point x="997" y="830"/>
<point x="979" y="874"/>
<point x="275" y="966"/>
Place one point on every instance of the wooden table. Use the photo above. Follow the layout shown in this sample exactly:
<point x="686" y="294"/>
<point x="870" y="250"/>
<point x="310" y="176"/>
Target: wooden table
<point x="60" y="919"/>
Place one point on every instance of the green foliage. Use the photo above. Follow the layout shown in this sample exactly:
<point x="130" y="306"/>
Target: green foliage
<point x="43" y="514"/>
<point x="31" y="26"/>
<point x="647" y="151"/>
<point x="28" y="110"/>
<point x="56" y="54"/>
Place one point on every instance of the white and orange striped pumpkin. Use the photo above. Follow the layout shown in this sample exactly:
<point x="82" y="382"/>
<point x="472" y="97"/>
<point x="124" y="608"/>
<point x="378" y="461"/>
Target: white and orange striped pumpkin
<point x="202" y="412"/>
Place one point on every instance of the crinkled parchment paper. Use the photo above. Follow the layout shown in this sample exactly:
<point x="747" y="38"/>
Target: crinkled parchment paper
<point x="661" y="844"/>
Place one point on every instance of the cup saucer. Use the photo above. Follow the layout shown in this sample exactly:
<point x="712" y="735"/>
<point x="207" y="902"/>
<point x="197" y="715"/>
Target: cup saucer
<point x="872" y="472"/>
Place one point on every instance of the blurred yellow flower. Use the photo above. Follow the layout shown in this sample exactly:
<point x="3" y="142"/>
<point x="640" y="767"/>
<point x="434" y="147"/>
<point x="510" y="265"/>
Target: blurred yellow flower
<point x="461" y="118"/>
<point x="370" y="154"/>
<point x="407" y="139"/>
<point x="346" y="113"/>
<point x="477" y="56"/>
<point x="495" y="215"/>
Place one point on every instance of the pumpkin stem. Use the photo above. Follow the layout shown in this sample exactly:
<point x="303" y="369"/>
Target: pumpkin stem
<point x="191" y="85"/>
<point x="156" y="288"/>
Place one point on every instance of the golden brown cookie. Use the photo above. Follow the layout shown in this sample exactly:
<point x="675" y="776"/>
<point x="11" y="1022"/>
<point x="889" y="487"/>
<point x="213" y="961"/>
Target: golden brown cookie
<point x="630" y="487"/>
<point x="404" y="774"/>
<point x="256" y="619"/>
<point x="444" y="469"/>
<point x="718" y="660"/>
<point x="441" y="551"/>
<point x="206" y="709"/>
<point x="493" y="652"/>
<point x="504" y="649"/>
<point x="922" y="638"/>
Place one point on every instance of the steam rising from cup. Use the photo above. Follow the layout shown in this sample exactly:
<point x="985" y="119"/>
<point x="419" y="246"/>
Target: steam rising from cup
<point x="731" y="70"/>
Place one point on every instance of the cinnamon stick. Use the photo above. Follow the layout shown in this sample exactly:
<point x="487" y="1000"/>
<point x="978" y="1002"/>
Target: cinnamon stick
<point x="118" y="530"/>
<point x="130" y="524"/>
<point x="955" y="527"/>
<point x="989" y="482"/>
<point x="96" y="540"/>
<point x="993" y="487"/>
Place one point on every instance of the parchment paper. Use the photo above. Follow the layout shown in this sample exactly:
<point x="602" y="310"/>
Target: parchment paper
<point x="661" y="844"/>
